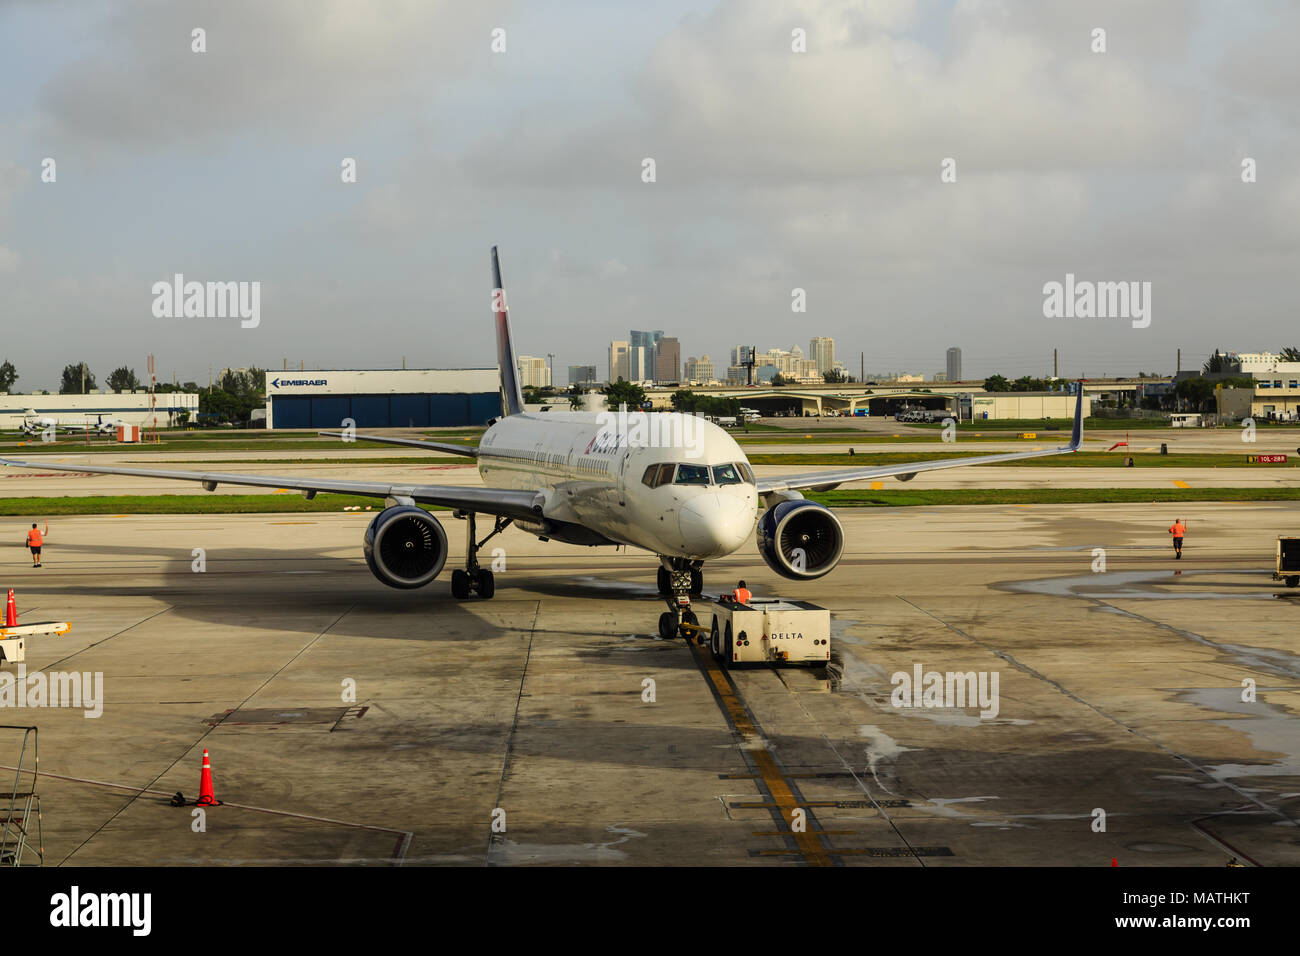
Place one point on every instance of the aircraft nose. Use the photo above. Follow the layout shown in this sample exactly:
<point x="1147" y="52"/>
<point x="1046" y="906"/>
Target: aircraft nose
<point x="714" y="525"/>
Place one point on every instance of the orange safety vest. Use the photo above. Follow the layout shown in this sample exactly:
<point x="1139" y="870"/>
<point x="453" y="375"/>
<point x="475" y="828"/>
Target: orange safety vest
<point x="1177" y="530"/>
<point x="741" y="595"/>
<point x="33" y="538"/>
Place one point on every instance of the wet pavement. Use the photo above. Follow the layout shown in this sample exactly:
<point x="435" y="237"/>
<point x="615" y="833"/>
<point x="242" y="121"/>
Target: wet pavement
<point x="1119" y="691"/>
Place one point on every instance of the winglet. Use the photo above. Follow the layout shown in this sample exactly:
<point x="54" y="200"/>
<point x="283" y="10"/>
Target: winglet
<point x="512" y="396"/>
<point x="1076" y="436"/>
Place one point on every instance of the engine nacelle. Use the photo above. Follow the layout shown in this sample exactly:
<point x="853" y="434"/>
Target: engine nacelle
<point x="405" y="547"/>
<point x="800" y="539"/>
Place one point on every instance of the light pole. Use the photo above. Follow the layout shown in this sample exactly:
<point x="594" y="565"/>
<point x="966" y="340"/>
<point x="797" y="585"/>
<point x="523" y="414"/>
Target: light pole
<point x="550" y="368"/>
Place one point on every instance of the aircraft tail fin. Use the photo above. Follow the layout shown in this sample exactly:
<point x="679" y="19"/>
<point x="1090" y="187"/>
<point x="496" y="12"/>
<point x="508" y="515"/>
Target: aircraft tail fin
<point x="512" y="396"/>
<point x="1076" y="435"/>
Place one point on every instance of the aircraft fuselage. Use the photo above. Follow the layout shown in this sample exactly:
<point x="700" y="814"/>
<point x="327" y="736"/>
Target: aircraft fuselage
<point x="606" y="474"/>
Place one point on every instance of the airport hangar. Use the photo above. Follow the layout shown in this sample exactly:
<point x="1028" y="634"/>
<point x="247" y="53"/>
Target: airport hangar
<point x="130" y="407"/>
<point x="382" y="398"/>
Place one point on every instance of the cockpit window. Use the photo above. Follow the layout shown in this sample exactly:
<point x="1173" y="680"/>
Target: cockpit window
<point x="657" y="475"/>
<point x="692" y="475"/>
<point x="745" y="471"/>
<point x="726" y="475"/>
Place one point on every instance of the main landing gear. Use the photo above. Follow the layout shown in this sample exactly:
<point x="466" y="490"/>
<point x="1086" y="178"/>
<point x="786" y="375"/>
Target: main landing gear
<point x="475" y="578"/>
<point x="679" y="578"/>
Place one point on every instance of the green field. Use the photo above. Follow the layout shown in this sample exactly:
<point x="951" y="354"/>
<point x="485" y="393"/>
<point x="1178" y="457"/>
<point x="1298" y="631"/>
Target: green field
<point x="1046" y="496"/>
<point x="874" y="438"/>
<point x="426" y="459"/>
<point x="1080" y="459"/>
<point x="206" y="504"/>
<point x="180" y="446"/>
<point x="36" y="509"/>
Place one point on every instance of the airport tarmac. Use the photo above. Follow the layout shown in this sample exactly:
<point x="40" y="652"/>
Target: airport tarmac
<point x="1119" y="691"/>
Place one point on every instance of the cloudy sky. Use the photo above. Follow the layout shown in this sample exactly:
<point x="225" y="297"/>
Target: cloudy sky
<point x="775" y="170"/>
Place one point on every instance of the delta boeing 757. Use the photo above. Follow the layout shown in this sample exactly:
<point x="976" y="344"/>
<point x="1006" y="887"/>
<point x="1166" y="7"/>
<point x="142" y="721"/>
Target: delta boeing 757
<point x="674" y="485"/>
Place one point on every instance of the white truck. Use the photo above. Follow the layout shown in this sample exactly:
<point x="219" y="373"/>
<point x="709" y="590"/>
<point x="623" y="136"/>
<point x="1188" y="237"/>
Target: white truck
<point x="770" y="630"/>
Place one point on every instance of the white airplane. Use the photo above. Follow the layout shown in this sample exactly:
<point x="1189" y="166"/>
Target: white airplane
<point x="671" y="484"/>
<point x="36" y="424"/>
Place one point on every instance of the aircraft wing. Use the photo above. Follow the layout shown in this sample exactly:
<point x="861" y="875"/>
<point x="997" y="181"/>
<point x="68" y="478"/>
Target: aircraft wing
<point x="826" y="480"/>
<point x="505" y="502"/>
<point x="468" y="452"/>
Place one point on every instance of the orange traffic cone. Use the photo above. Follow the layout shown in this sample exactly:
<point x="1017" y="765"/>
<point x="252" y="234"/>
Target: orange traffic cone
<point x="11" y="611"/>
<point x="206" y="797"/>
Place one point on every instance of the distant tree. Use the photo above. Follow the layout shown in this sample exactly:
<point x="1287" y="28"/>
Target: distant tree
<point x="778" y="380"/>
<point x="8" y="375"/>
<point x="1027" y="383"/>
<point x="1214" y="364"/>
<point x="690" y="403"/>
<point x="997" y="383"/>
<point x="1288" y="354"/>
<point x="624" y="393"/>
<point x="216" y="405"/>
<point x="234" y="396"/>
<point x="835" y="376"/>
<point x="123" y="380"/>
<point x="72" y="380"/>
<point x="1197" y="392"/>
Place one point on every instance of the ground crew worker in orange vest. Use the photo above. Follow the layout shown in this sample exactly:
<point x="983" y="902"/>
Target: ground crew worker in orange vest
<point x="34" y="542"/>
<point x="1178" y="529"/>
<point x="741" y="595"/>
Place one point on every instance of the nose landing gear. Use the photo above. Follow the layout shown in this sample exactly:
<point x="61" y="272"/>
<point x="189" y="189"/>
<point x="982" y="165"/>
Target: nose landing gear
<point x="679" y="578"/>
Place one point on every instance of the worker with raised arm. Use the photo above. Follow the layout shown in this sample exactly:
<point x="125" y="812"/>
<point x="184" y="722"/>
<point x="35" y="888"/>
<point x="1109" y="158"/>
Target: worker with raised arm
<point x="34" y="542"/>
<point x="1178" y="530"/>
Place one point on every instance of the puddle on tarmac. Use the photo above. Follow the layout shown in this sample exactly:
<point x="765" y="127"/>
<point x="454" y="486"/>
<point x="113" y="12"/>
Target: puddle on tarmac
<point x="880" y="747"/>
<point x="1271" y="730"/>
<point x="1120" y="585"/>
<point x="511" y="852"/>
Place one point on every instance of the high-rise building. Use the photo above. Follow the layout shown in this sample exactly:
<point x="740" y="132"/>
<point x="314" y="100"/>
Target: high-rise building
<point x="822" y="351"/>
<point x="618" y="361"/>
<point x="700" y="370"/>
<point x="533" y="372"/>
<point x="650" y="342"/>
<point x="639" y="367"/>
<point x="582" y="375"/>
<point x="954" y="364"/>
<point x="668" y="360"/>
<point x="740" y="354"/>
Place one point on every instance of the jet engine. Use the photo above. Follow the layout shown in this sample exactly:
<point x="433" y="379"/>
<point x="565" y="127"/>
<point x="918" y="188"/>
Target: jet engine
<point x="405" y="547"/>
<point x="800" y="539"/>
